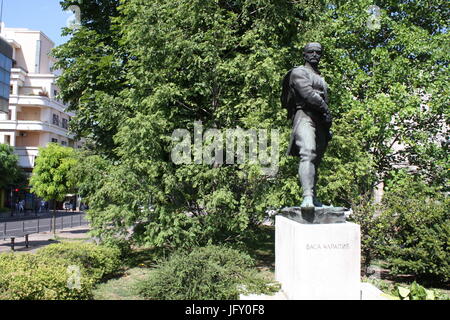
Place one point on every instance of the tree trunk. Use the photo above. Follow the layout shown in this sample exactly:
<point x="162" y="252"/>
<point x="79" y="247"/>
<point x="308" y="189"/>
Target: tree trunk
<point x="54" y="217"/>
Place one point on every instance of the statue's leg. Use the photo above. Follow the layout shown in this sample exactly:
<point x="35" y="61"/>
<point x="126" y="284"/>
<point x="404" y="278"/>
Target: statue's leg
<point x="305" y="139"/>
<point x="321" y="144"/>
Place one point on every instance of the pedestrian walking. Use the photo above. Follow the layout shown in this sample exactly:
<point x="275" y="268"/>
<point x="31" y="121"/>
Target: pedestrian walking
<point x="22" y="206"/>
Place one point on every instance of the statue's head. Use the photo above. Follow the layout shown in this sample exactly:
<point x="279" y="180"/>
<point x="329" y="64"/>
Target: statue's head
<point x="312" y="52"/>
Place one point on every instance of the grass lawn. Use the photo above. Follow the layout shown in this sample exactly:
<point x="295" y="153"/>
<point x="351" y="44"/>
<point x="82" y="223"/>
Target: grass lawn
<point x="122" y="288"/>
<point x="141" y="263"/>
<point x="137" y="267"/>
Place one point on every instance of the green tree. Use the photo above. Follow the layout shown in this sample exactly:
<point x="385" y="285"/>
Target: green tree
<point x="217" y="62"/>
<point x="161" y="65"/>
<point x="10" y="172"/>
<point x="94" y="74"/>
<point x="50" y="177"/>
<point x="387" y="68"/>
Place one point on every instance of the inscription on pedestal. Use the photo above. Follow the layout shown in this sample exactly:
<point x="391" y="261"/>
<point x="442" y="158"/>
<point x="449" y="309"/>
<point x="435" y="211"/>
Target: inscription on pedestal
<point x="327" y="246"/>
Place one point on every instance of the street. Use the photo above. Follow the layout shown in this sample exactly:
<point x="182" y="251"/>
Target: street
<point x="18" y="226"/>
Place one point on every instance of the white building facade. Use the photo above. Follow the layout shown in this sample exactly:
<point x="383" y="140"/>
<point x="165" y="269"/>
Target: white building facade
<point x="35" y="116"/>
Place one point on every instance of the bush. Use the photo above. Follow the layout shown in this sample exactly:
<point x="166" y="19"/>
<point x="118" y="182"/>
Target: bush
<point x="416" y="230"/>
<point x="32" y="277"/>
<point x="410" y="229"/>
<point x="205" y="273"/>
<point x="97" y="261"/>
<point x="420" y="236"/>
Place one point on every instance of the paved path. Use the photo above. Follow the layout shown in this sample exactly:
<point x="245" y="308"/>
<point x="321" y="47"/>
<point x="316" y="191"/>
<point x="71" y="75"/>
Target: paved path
<point x="6" y="216"/>
<point x="39" y="240"/>
<point x="68" y="225"/>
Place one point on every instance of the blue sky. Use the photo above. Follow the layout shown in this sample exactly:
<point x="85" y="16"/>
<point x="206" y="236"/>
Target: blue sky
<point x="44" y="15"/>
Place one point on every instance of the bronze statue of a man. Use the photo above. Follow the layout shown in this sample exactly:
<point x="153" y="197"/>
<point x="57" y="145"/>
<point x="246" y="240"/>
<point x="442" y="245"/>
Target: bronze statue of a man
<point x="306" y="98"/>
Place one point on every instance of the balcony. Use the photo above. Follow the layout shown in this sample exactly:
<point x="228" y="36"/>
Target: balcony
<point x="27" y="125"/>
<point x="41" y="101"/>
<point x="18" y="73"/>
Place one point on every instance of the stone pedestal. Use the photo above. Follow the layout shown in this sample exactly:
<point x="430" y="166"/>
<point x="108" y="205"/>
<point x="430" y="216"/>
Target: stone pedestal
<point x="318" y="261"/>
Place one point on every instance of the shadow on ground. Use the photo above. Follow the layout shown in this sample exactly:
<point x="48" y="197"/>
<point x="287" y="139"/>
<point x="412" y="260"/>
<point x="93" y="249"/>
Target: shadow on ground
<point x="75" y="231"/>
<point x="19" y="246"/>
<point x="261" y="246"/>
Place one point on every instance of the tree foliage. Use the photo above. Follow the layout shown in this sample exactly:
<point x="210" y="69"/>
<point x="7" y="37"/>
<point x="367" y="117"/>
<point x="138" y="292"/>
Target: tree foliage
<point x="388" y="86"/>
<point x="156" y="66"/>
<point x="93" y="63"/>
<point x="10" y="172"/>
<point x="50" y="177"/>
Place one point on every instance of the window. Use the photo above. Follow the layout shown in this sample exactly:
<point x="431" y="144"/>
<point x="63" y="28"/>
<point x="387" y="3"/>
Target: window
<point x="5" y="74"/>
<point x="55" y="119"/>
<point x="64" y="143"/>
<point x="64" y="123"/>
<point x="8" y="139"/>
<point x="54" y="140"/>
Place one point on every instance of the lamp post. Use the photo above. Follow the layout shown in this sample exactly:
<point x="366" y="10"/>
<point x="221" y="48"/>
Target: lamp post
<point x="1" y="16"/>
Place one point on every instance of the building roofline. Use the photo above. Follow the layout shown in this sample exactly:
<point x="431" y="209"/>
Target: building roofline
<point x="13" y="43"/>
<point x="26" y="30"/>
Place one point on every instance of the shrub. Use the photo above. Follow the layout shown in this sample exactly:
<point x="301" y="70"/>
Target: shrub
<point x="98" y="261"/>
<point x="205" y="273"/>
<point x="418" y="239"/>
<point x="32" y="277"/>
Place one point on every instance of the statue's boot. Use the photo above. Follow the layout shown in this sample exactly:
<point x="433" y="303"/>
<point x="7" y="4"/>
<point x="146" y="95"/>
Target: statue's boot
<point x="307" y="202"/>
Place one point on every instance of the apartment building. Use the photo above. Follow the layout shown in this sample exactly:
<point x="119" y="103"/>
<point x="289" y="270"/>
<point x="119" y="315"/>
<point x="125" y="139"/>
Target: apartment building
<point x="34" y="115"/>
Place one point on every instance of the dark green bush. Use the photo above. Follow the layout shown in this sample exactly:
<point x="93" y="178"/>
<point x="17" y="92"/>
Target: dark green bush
<point x="410" y="229"/>
<point x="419" y="240"/>
<point x="98" y="261"/>
<point x="416" y="235"/>
<point x="205" y="273"/>
<point x="32" y="277"/>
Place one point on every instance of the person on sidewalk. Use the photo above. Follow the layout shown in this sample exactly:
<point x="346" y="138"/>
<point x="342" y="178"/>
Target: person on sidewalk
<point x="22" y="206"/>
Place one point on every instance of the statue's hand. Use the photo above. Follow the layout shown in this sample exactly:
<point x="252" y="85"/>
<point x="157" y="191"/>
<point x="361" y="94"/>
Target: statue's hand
<point x="330" y="135"/>
<point x="324" y="108"/>
<point x="326" y="113"/>
<point x="327" y="116"/>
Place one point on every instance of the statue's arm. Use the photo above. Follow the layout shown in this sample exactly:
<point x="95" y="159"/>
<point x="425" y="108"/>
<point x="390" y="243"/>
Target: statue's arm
<point x="303" y="86"/>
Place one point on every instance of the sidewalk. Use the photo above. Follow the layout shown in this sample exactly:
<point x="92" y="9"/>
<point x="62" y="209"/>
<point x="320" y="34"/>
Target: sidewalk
<point x="39" y="240"/>
<point x="6" y="216"/>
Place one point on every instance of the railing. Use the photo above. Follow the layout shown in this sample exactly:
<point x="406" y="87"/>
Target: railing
<point x="40" y="224"/>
